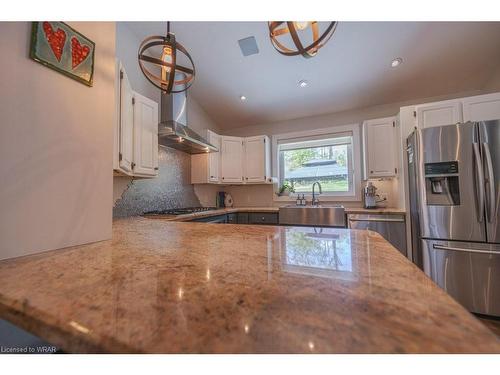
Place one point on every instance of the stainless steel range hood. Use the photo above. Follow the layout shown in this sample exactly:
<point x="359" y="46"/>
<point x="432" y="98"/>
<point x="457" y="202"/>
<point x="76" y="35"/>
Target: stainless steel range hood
<point x="173" y="130"/>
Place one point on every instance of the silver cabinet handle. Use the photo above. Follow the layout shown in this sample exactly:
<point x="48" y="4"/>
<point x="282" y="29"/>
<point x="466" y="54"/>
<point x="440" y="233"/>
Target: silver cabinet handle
<point x="491" y="183"/>
<point x="480" y="178"/>
<point x="476" y="251"/>
<point x="381" y="220"/>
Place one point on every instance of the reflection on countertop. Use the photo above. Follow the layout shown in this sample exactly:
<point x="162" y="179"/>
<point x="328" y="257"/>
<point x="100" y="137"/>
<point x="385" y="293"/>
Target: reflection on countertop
<point x="168" y="287"/>
<point x="318" y="252"/>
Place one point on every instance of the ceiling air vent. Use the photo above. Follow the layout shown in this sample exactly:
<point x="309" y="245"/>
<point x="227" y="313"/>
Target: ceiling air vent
<point x="248" y="46"/>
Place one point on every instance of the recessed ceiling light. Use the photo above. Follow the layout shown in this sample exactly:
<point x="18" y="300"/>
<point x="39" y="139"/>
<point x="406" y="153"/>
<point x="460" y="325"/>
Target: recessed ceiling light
<point x="243" y="98"/>
<point x="303" y="83"/>
<point x="396" y="62"/>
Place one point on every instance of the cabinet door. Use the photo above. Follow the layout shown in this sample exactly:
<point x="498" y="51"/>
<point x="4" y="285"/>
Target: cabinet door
<point x="145" y="136"/>
<point x="255" y="159"/>
<point x="482" y="107"/>
<point x="380" y="147"/>
<point x="126" y="128"/>
<point x="263" y="218"/>
<point x="438" y="114"/>
<point x="214" y="157"/>
<point x="231" y="159"/>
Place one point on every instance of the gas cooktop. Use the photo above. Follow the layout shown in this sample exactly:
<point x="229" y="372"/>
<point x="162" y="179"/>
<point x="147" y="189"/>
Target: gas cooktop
<point x="180" y="211"/>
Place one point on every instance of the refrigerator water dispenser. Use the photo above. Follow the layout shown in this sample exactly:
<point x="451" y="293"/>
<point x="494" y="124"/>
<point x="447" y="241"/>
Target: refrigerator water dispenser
<point x="441" y="184"/>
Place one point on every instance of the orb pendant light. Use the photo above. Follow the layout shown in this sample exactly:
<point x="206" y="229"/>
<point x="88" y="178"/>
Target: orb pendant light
<point x="164" y="71"/>
<point x="279" y="31"/>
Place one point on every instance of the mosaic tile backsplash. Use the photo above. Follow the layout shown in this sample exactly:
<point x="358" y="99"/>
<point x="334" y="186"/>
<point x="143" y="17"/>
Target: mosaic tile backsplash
<point x="171" y="189"/>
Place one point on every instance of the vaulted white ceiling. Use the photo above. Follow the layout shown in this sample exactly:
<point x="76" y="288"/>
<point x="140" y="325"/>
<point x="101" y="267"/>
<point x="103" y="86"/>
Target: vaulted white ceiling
<point x="352" y="71"/>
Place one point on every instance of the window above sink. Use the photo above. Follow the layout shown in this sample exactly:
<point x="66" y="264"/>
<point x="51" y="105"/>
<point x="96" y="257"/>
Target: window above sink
<point x="330" y="156"/>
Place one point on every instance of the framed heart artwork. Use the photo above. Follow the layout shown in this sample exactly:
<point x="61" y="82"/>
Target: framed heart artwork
<point x="62" y="48"/>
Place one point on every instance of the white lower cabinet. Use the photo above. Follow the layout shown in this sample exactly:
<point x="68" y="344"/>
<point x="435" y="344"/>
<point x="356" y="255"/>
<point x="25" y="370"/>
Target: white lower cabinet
<point x="231" y="159"/>
<point x="136" y="133"/>
<point x="257" y="165"/>
<point x="439" y="113"/>
<point x="379" y="146"/>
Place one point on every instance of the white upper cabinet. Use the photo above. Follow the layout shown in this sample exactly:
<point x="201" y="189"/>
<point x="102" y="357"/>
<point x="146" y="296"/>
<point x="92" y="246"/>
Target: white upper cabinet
<point x="239" y="161"/>
<point x="439" y="113"/>
<point x="214" y="157"/>
<point x="136" y="132"/>
<point x="231" y="159"/>
<point x="257" y="164"/>
<point x="126" y="124"/>
<point x="145" y="136"/>
<point x="482" y="107"/>
<point x="380" y="137"/>
<point x="205" y="168"/>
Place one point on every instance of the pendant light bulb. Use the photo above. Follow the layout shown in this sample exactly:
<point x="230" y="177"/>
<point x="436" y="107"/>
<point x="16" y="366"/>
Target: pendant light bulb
<point x="166" y="56"/>
<point x="163" y="69"/>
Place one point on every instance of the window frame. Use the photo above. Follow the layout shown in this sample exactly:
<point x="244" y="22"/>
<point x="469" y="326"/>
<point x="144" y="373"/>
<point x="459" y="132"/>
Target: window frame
<point x="330" y="132"/>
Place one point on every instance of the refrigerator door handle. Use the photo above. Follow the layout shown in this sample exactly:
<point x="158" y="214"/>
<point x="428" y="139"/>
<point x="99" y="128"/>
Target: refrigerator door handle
<point x="479" y="182"/>
<point x="475" y="251"/>
<point x="490" y="181"/>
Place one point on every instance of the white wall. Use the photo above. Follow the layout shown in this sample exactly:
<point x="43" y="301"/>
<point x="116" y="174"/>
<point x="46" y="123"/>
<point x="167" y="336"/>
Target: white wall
<point x="334" y="119"/>
<point x="493" y="84"/>
<point x="127" y="45"/>
<point x="56" y="140"/>
<point x="198" y="119"/>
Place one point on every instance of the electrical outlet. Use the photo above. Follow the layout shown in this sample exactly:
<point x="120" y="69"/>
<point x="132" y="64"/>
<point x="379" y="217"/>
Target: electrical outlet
<point x="382" y="198"/>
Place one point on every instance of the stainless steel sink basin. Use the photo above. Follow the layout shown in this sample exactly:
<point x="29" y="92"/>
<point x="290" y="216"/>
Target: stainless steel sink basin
<point x="321" y="215"/>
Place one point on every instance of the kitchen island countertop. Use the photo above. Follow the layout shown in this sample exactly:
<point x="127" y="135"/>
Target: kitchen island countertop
<point x="168" y="287"/>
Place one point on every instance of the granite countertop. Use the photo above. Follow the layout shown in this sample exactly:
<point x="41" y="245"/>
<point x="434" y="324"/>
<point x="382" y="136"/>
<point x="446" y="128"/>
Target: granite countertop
<point x="221" y="211"/>
<point x="169" y="287"/>
<point x="378" y="210"/>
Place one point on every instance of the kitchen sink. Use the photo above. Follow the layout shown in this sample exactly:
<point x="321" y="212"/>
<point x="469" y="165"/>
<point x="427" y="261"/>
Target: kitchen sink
<point x="321" y="215"/>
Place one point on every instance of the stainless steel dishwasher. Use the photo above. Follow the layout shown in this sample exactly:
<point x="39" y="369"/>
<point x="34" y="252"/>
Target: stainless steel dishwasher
<point x="391" y="227"/>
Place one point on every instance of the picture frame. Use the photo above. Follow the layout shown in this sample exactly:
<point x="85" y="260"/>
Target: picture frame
<point x="58" y="46"/>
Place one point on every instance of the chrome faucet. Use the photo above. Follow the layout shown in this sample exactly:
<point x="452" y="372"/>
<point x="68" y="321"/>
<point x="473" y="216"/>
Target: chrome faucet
<point x="315" y="201"/>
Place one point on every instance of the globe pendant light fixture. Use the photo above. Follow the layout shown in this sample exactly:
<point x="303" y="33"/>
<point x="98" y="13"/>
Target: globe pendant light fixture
<point x="279" y="30"/>
<point x="164" y="71"/>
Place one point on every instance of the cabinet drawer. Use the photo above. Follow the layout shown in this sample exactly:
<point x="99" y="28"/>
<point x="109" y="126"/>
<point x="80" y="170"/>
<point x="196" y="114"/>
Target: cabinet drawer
<point x="242" y="217"/>
<point x="263" y="218"/>
<point x="217" y="219"/>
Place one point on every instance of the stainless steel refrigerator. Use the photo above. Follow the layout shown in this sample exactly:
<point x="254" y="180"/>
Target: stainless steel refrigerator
<point x="454" y="182"/>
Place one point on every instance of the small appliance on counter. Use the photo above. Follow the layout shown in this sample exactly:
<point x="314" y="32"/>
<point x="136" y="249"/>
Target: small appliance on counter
<point x="228" y="200"/>
<point x="370" y="195"/>
<point x="220" y="199"/>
